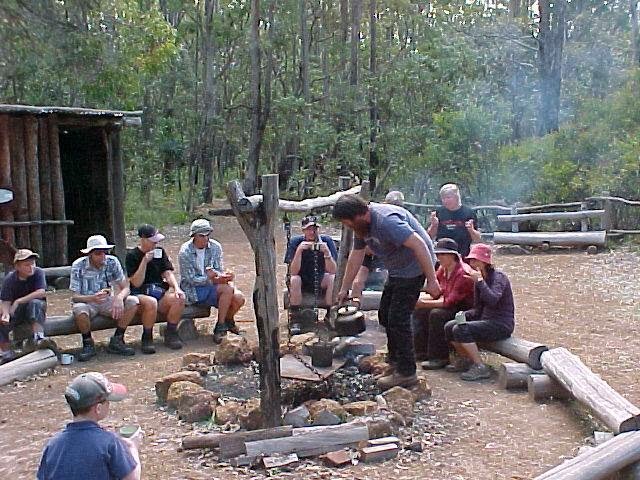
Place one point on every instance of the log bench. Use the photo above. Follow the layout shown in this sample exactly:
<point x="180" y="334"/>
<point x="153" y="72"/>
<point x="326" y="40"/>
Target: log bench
<point x="65" y="325"/>
<point x="517" y="349"/>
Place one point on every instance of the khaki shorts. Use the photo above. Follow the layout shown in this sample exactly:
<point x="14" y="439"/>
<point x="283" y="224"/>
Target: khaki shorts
<point x="104" y="308"/>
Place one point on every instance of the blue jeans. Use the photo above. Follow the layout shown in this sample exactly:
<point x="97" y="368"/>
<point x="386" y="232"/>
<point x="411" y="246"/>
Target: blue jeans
<point x="34" y="311"/>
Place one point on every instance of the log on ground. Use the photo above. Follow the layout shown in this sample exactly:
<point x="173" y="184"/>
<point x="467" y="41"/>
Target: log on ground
<point x="514" y="376"/>
<point x="517" y="349"/>
<point x="213" y="440"/>
<point x="613" y="409"/>
<point x="543" y="387"/>
<point x="30" y="364"/>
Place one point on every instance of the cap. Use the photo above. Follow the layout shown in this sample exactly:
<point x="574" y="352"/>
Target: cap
<point x="395" y="197"/>
<point x="481" y="252"/>
<point x="150" y="233"/>
<point x="92" y="387"/>
<point x="446" y="245"/>
<point x="96" y="242"/>
<point x="23" y="254"/>
<point x="310" y="220"/>
<point x="201" y="226"/>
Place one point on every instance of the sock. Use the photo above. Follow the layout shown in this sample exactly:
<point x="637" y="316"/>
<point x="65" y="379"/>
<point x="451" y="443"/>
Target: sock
<point x="38" y="335"/>
<point x="86" y="337"/>
<point x="172" y="327"/>
<point x="119" y="332"/>
<point x="147" y="333"/>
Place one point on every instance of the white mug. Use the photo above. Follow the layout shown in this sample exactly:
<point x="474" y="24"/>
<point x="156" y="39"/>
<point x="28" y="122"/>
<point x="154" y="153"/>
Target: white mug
<point x="157" y="253"/>
<point x="66" y="359"/>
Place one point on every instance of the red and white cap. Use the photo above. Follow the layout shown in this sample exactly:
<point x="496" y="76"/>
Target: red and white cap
<point x="92" y="387"/>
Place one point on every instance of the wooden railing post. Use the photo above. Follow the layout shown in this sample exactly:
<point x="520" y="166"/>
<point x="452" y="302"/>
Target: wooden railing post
<point x="514" y="224"/>
<point x="346" y="242"/>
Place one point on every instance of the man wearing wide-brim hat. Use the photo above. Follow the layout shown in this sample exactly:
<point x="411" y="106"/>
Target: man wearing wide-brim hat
<point x="24" y="300"/>
<point x="100" y="287"/>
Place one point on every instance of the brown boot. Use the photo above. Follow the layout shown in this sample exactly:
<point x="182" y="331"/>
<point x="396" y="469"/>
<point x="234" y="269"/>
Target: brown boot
<point x="397" y="380"/>
<point x="231" y="326"/>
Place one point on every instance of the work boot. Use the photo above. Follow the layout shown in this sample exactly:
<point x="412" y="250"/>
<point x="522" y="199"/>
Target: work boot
<point x="117" y="346"/>
<point x="231" y="326"/>
<point x="88" y="351"/>
<point x="172" y="340"/>
<point x="460" y="364"/>
<point x="478" y="371"/>
<point x="397" y="380"/>
<point x="435" y="364"/>
<point x="7" y="357"/>
<point x="219" y="332"/>
<point x="147" y="345"/>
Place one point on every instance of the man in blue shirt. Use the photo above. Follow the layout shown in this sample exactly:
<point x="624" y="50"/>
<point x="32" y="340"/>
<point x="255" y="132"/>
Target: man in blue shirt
<point x="397" y="238"/>
<point x="84" y="450"/>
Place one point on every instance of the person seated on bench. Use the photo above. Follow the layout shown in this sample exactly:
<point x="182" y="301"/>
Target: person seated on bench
<point x="490" y="319"/>
<point x="312" y="266"/>
<point x="204" y="280"/>
<point x="24" y="300"/>
<point x="100" y="288"/>
<point x="151" y="276"/>
<point x="453" y="220"/>
<point x="431" y="314"/>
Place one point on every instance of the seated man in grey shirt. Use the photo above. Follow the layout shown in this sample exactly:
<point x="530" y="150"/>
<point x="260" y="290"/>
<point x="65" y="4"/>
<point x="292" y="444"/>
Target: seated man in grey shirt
<point x="405" y="249"/>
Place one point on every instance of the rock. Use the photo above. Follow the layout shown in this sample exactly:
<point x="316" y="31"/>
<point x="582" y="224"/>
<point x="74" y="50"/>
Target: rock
<point x="195" y="405"/>
<point x="592" y="250"/>
<point x="299" y="340"/>
<point x="250" y="415"/>
<point x="196" y="413"/>
<point x="379" y="427"/>
<point x="162" y="385"/>
<point x="414" y="446"/>
<point x="512" y="250"/>
<point x="234" y="349"/>
<point x="337" y="458"/>
<point x="178" y="389"/>
<point x="228" y="413"/>
<point x="194" y="357"/>
<point x="298" y="417"/>
<point x="398" y="393"/>
<point x="379" y="453"/>
<point x="367" y="364"/>
<point x="325" y="417"/>
<point x="405" y="408"/>
<point x="422" y="390"/>
<point x="364" y="407"/>
<point x="316" y="406"/>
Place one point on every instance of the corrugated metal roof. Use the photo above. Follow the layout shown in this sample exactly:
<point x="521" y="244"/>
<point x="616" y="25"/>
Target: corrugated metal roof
<point x="91" y="112"/>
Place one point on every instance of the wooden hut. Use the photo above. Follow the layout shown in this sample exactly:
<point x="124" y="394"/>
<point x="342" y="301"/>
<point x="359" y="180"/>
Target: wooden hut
<point x="64" y="166"/>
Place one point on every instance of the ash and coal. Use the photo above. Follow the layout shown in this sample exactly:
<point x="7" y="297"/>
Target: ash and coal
<point x="241" y="382"/>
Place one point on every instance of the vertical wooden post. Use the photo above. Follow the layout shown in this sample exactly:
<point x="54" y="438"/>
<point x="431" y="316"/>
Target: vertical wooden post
<point x="47" y="256"/>
<point x="584" y="223"/>
<point x="346" y="242"/>
<point x="514" y="225"/>
<point x="33" y="180"/>
<point x="19" y="180"/>
<point x="57" y="193"/>
<point x="6" y="213"/>
<point x="117" y="185"/>
<point x="607" y="218"/>
<point x="259" y="227"/>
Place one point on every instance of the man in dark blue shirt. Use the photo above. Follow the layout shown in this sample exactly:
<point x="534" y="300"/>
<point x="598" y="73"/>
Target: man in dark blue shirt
<point x="84" y="450"/>
<point x="312" y="264"/>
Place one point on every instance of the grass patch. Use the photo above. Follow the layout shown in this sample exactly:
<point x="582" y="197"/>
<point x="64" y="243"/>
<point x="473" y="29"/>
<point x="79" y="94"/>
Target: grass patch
<point x="165" y="210"/>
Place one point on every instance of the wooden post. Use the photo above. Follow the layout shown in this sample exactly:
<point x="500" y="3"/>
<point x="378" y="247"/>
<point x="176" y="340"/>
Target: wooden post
<point x="514" y="376"/>
<point x="33" y="180"/>
<point x="514" y="224"/>
<point x="607" y="218"/>
<point x="8" y="233"/>
<point x="617" y="413"/>
<point x="584" y="224"/>
<point x="47" y="257"/>
<point x="57" y="192"/>
<point x="117" y="187"/>
<point x="346" y="242"/>
<point x="19" y="180"/>
<point x="259" y="226"/>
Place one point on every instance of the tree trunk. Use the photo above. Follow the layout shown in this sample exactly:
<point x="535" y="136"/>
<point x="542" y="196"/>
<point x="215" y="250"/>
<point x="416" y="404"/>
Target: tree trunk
<point x="355" y="40"/>
<point x="374" y="162"/>
<point x="344" y="35"/>
<point x="551" y="35"/>
<point x="206" y="138"/>
<point x="304" y="51"/>
<point x="635" y="37"/>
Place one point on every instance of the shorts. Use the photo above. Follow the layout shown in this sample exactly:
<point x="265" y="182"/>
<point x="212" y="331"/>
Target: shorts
<point x="92" y="310"/>
<point x="207" y="295"/>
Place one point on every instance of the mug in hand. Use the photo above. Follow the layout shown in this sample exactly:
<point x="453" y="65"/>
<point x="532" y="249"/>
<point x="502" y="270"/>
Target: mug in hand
<point x="460" y="318"/>
<point x="157" y="253"/>
<point x="128" y="431"/>
<point x="316" y="246"/>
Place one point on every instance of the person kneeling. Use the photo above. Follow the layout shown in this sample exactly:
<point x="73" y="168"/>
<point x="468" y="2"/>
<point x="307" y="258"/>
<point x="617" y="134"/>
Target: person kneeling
<point x="490" y="319"/>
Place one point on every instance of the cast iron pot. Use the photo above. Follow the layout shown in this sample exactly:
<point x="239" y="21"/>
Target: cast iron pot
<point x="321" y="354"/>
<point x="349" y="321"/>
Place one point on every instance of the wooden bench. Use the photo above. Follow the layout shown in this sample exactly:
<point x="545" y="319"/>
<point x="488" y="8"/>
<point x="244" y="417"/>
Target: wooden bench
<point x="65" y="325"/>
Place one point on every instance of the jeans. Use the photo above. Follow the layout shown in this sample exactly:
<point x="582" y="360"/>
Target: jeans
<point x="34" y="311"/>
<point x="428" y="337"/>
<point x="475" y="331"/>
<point x="398" y="300"/>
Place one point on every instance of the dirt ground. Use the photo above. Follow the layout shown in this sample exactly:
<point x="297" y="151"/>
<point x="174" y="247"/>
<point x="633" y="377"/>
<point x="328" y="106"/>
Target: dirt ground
<point x="587" y="303"/>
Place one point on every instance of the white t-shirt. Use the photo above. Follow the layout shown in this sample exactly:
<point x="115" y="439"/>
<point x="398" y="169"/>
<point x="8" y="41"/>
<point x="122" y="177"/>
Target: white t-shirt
<point x="200" y="255"/>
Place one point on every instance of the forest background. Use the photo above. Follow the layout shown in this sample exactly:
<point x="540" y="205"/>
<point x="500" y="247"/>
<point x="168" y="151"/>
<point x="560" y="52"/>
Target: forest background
<point x="516" y="101"/>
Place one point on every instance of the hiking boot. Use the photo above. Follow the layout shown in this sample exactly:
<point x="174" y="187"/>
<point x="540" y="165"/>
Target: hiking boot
<point x="396" y="380"/>
<point x="232" y="327"/>
<point x="478" y="371"/>
<point x="461" y="364"/>
<point x="435" y="364"/>
<point x="88" y="351"/>
<point x="28" y="346"/>
<point x="219" y="332"/>
<point x="147" y="346"/>
<point x="295" y="329"/>
<point x="46" y="343"/>
<point x="172" y="340"/>
<point x="117" y="346"/>
<point x="7" y="357"/>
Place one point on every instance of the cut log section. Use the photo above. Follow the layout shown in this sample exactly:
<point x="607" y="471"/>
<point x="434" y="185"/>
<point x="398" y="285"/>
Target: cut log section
<point x="537" y="239"/>
<point x="613" y="409"/>
<point x="214" y="440"/>
<point x="517" y="349"/>
<point x="30" y="364"/>
<point x="601" y="462"/>
<point x="514" y="376"/>
<point x="524" y="217"/>
<point x="543" y="387"/>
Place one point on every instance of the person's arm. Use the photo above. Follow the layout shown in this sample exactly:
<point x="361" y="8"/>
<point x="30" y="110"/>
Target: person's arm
<point x="137" y="278"/>
<point x="491" y="295"/>
<point x="189" y="271"/>
<point x="432" y="231"/>
<point x="354" y="262"/>
<point x="296" y="261"/>
<point x="136" y="473"/>
<point x="471" y="225"/>
<point x="6" y="312"/>
<point x="330" y="254"/>
<point x="461" y="291"/>
<point x="420" y="251"/>
<point x="169" y="277"/>
<point x="430" y="303"/>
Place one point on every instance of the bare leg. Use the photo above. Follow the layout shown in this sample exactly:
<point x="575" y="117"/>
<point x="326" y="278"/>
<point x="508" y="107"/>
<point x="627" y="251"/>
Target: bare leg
<point x="127" y="316"/>
<point x="295" y="290"/>
<point x="148" y="311"/>
<point x="327" y="285"/>
<point x="225" y="296"/>
<point x="83" y="322"/>
<point x="470" y="351"/>
<point x="172" y="307"/>
<point x="237" y="301"/>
